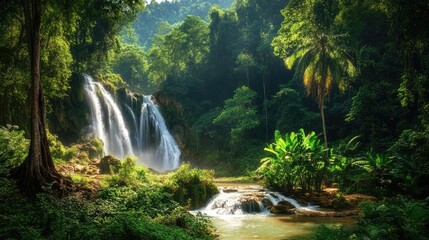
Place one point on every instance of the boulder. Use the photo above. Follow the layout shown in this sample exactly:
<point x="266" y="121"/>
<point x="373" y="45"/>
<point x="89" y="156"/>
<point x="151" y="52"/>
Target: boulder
<point x="109" y="165"/>
<point x="283" y="207"/>
<point x="267" y="202"/>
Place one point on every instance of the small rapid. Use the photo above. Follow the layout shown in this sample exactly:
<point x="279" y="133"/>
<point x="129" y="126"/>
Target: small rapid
<point x="242" y="212"/>
<point x="248" y="200"/>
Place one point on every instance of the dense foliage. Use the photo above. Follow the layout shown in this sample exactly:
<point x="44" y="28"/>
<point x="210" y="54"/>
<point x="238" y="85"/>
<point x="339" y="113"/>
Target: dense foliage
<point x="298" y="163"/>
<point x="397" y="218"/>
<point x="220" y="74"/>
<point x="160" y="17"/>
<point x="191" y="187"/>
<point x="132" y="204"/>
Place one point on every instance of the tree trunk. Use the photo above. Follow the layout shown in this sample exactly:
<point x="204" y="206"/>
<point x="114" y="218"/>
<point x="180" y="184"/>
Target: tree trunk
<point x="247" y="77"/>
<point x="322" y="113"/>
<point x="265" y="107"/>
<point x="37" y="170"/>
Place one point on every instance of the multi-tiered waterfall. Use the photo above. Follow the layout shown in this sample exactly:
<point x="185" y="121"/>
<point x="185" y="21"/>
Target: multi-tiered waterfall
<point x="131" y="124"/>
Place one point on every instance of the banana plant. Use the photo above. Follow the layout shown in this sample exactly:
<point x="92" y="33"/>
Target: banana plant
<point x="296" y="161"/>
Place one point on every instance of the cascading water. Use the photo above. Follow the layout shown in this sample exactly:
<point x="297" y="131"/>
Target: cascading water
<point x="241" y="212"/>
<point x="133" y="125"/>
<point x="247" y="200"/>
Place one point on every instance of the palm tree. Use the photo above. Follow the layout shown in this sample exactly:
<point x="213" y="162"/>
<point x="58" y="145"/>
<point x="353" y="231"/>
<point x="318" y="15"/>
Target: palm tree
<point x="322" y="63"/>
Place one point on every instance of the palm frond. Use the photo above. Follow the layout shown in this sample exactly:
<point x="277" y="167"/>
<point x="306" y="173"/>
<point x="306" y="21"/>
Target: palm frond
<point x="298" y="54"/>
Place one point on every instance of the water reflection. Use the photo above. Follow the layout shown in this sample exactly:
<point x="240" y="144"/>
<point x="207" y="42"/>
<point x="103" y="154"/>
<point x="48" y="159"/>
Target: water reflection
<point x="259" y="226"/>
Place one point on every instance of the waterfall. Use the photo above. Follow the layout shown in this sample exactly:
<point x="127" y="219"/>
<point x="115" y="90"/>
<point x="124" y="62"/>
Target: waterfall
<point x="131" y="124"/>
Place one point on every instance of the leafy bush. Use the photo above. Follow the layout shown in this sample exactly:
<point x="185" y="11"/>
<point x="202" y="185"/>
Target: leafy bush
<point x="13" y="145"/>
<point x="299" y="162"/>
<point x="331" y="232"/>
<point x="109" y="165"/>
<point x="398" y="218"/>
<point x="191" y="186"/>
<point x="129" y="174"/>
<point x="197" y="226"/>
<point x="117" y="213"/>
<point x="370" y="173"/>
<point x="411" y="166"/>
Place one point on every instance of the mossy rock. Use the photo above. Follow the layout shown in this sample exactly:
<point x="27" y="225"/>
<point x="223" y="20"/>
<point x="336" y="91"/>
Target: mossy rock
<point x="93" y="146"/>
<point x="109" y="165"/>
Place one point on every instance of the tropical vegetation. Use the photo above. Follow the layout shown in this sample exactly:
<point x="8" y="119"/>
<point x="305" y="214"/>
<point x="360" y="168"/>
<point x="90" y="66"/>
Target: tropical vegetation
<point x="247" y="88"/>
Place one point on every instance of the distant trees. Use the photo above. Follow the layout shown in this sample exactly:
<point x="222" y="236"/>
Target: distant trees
<point x="179" y="51"/>
<point x="131" y="63"/>
<point x="238" y="116"/>
<point x="157" y="15"/>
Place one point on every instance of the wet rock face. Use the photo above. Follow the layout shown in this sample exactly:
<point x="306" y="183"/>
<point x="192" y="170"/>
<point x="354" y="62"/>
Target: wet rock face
<point x="251" y="204"/>
<point x="71" y="115"/>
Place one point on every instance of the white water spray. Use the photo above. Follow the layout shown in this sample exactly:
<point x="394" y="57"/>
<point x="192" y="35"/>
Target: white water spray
<point x="249" y="200"/>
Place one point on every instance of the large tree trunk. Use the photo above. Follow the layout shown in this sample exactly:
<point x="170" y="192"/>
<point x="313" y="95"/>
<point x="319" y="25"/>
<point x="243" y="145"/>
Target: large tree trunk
<point x="38" y="170"/>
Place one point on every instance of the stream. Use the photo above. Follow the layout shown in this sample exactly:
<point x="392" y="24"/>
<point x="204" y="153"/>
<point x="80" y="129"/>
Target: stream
<point x="242" y="212"/>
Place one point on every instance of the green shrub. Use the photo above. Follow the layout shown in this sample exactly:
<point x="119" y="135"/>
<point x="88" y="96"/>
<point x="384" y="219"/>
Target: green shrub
<point x="196" y="226"/>
<point x="58" y="151"/>
<point x="109" y="165"/>
<point x="299" y="162"/>
<point x="397" y="218"/>
<point x="13" y="146"/>
<point x="80" y="180"/>
<point x="331" y="232"/>
<point x="136" y="226"/>
<point x="129" y="174"/>
<point x="118" y="213"/>
<point x="193" y="187"/>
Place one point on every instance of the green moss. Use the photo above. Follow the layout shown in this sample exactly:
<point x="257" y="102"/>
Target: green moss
<point x="109" y="165"/>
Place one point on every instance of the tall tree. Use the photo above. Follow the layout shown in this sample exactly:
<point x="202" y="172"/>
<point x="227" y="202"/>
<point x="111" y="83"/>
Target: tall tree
<point x="38" y="169"/>
<point x="317" y="53"/>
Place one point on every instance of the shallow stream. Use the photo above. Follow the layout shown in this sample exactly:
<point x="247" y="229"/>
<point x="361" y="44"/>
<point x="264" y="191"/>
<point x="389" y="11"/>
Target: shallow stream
<point x="241" y="212"/>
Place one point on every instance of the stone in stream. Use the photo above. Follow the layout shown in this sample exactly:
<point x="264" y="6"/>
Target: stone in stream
<point x="283" y="207"/>
<point x="267" y="202"/>
<point x="229" y="190"/>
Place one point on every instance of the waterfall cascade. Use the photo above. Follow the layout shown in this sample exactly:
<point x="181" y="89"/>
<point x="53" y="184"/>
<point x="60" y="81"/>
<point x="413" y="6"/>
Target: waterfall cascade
<point x="131" y="124"/>
<point x="247" y="200"/>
